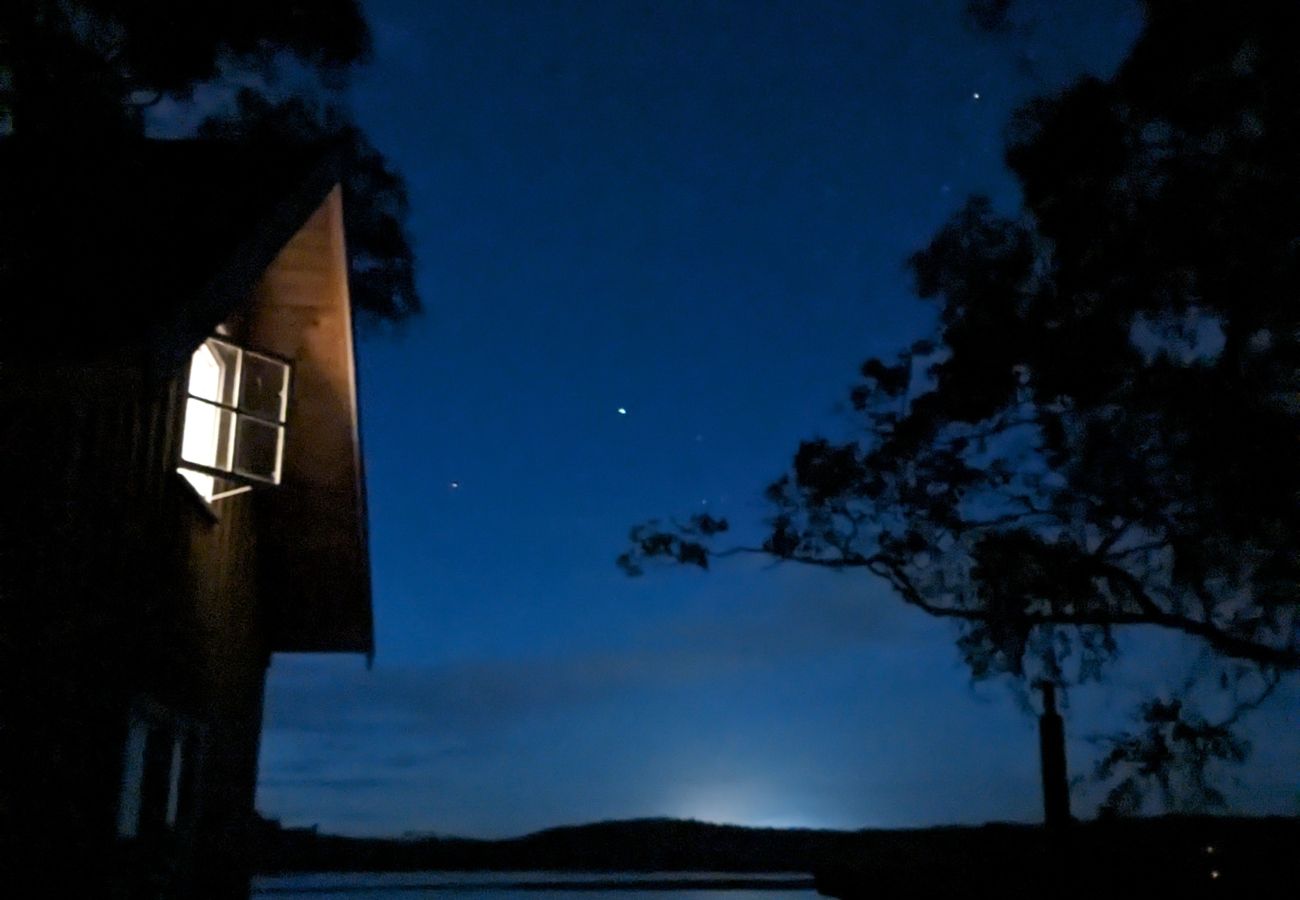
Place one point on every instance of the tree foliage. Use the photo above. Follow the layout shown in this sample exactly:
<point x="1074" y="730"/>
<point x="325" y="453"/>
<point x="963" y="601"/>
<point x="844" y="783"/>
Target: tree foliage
<point x="1103" y="432"/>
<point x="375" y="205"/>
<point x="88" y="70"/>
<point x="84" y="65"/>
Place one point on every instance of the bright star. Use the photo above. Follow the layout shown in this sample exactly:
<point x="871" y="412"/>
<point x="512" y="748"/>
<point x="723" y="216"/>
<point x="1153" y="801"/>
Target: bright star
<point x="976" y="95"/>
<point x="455" y="485"/>
<point x="622" y="411"/>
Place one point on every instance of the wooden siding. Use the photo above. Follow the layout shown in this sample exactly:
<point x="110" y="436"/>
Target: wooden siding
<point x="316" y="560"/>
<point x="118" y="585"/>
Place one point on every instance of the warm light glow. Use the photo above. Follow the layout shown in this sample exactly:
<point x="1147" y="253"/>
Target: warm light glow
<point x="202" y="422"/>
<point x="234" y="419"/>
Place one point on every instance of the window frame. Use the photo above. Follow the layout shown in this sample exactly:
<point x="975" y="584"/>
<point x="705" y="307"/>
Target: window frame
<point x="243" y="480"/>
<point x="161" y="768"/>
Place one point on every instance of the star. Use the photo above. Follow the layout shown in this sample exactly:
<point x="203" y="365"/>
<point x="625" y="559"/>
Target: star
<point x="622" y="411"/>
<point x="975" y="96"/>
<point x="455" y="485"/>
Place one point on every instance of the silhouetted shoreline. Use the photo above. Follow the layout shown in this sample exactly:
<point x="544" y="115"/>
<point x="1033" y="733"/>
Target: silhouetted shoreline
<point x="1115" y="856"/>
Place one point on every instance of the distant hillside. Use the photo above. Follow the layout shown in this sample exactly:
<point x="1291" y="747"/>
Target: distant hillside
<point x="1163" y="854"/>
<point x="639" y="845"/>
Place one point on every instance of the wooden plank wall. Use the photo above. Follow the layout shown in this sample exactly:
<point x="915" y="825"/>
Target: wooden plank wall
<point x="116" y="583"/>
<point x="315" y="527"/>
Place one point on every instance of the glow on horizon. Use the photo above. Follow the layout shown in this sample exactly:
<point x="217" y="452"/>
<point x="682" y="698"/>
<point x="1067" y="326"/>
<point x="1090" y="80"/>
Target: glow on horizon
<point x="793" y="821"/>
<point x="751" y="807"/>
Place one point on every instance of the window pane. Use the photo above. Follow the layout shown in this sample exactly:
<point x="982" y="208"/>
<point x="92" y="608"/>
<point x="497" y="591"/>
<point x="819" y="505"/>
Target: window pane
<point x="174" y="780"/>
<point x="214" y="372"/>
<point x="208" y="433"/>
<point x="157" y="778"/>
<point x="217" y="437"/>
<point x="264" y="387"/>
<point x="257" y="449"/>
<point x="191" y="740"/>
<point x="128" y="804"/>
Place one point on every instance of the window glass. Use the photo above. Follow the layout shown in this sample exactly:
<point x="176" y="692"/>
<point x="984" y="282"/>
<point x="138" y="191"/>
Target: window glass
<point x="264" y="387"/>
<point x="214" y="372"/>
<point x="157" y="778"/>
<point x="257" y="449"/>
<point x="174" y="781"/>
<point x="159" y="763"/>
<point x="208" y="430"/>
<point x="128" y="807"/>
<point x="234" y="419"/>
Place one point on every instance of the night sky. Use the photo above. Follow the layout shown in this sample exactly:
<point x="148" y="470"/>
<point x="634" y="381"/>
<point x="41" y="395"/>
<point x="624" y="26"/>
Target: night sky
<point x="655" y="240"/>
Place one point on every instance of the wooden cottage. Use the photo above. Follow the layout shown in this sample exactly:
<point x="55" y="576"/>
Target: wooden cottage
<point x="178" y="418"/>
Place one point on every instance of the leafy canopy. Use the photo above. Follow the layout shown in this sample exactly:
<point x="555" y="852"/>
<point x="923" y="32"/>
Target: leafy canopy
<point x="89" y="70"/>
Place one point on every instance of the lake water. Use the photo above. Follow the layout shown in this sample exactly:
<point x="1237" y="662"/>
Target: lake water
<point x="533" y="886"/>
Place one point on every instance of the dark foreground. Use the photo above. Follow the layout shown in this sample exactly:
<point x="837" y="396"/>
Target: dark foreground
<point x="1174" y="857"/>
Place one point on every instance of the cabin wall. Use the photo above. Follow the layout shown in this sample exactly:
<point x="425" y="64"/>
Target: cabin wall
<point x="317" y="571"/>
<point x="118" y="589"/>
<point x="128" y="606"/>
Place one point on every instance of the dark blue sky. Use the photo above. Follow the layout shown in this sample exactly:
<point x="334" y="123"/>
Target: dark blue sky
<point x="698" y="212"/>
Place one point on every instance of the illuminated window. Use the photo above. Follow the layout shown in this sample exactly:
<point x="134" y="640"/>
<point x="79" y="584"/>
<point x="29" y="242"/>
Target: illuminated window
<point x="234" y="419"/>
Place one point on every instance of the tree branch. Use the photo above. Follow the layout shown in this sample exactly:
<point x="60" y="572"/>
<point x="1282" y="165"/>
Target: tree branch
<point x="1148" y="611"/>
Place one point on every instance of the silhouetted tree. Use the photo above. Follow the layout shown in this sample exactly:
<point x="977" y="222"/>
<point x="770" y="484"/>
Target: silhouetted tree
<point x="89" y="69"/>
<point x="1104" y="432"/>
<point x="81" y="65"/>
<point x="1174" y="743"/>
<point x="375" y="205"/>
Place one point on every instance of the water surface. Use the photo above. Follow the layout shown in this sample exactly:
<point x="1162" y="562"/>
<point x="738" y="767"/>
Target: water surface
<point x="535" y="885"/>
